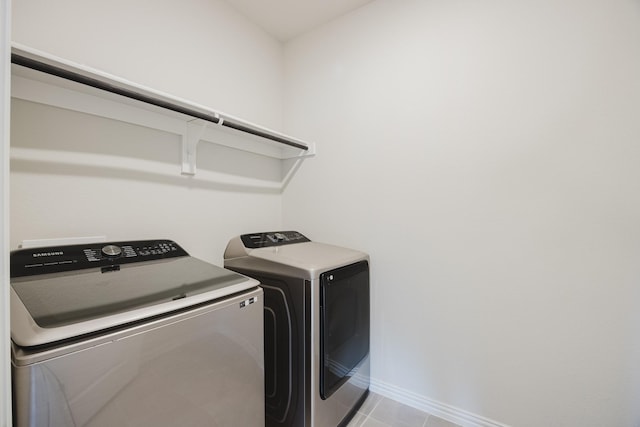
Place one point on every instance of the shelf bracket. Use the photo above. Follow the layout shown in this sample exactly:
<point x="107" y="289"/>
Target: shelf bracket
<point x="192" y="135"/>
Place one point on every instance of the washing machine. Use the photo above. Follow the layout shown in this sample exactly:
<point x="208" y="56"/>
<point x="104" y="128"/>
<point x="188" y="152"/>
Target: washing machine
<point x="316" y="325"/>
<point x="133" y="333"/>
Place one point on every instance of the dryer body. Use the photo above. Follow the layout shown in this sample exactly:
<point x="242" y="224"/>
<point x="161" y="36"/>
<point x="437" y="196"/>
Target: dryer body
<point x="316" y="317"/>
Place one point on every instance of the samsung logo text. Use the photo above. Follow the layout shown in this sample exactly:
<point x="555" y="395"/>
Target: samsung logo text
<point x="39" y="254"/>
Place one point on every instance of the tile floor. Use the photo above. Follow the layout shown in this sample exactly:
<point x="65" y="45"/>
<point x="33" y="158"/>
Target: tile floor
<point x="378" y="411"/>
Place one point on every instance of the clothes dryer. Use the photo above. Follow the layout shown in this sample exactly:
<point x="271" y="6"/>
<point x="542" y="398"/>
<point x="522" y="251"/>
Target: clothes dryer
<point x="316" y="317"/>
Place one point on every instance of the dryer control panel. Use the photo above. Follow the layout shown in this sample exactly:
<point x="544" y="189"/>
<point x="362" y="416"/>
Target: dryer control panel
<point x="272" y="238"/>
<point x="55" y="259"/>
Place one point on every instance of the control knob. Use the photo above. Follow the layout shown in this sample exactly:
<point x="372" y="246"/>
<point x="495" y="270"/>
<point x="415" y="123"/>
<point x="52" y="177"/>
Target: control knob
<point x="111" y="250"/>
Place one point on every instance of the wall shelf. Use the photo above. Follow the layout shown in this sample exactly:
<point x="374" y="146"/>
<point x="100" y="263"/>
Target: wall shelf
<point x="43" y="78"/>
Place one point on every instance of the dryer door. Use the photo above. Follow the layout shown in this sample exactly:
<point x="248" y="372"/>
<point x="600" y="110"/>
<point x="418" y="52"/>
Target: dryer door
<point x="344" y="324"/>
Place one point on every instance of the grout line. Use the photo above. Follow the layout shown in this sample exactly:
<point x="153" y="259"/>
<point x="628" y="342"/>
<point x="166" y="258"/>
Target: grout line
<point x="426" y="420"/>
<point x="372" y="409"/>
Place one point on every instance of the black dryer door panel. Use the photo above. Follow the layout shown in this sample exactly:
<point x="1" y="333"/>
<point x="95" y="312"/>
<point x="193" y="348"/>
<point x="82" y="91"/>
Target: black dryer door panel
<point x="344" y="324"/>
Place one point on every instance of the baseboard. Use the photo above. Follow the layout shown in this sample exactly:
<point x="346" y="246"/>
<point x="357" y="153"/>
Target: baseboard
<point x="439" y="409"/>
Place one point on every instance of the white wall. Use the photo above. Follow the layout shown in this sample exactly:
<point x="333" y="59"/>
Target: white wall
<point x="486" y="155"/>
<point x="198" y="50"/>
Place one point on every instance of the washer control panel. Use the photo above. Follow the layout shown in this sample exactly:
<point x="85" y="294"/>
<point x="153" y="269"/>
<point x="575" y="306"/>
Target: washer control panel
<point x="55" y="259"/>
<point x="272" y="238"/>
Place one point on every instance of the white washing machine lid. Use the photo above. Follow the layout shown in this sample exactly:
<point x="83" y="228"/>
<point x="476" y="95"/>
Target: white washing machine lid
<point x="48" y="307"/>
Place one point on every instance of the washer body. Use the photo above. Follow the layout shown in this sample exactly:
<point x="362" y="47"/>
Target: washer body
<point x="133" y="333"/>
<point x="316" y="302"/>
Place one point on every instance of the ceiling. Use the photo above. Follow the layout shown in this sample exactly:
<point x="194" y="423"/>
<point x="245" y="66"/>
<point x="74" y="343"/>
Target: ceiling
<point x="286" y="19"/>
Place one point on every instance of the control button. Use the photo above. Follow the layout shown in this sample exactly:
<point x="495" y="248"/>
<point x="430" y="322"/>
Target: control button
<point x="111" y="250"/>
<point x="92" y="255"/>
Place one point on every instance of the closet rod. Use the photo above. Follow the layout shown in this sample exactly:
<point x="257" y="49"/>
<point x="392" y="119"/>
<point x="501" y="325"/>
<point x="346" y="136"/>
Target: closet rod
<point x="98" y="84"/>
